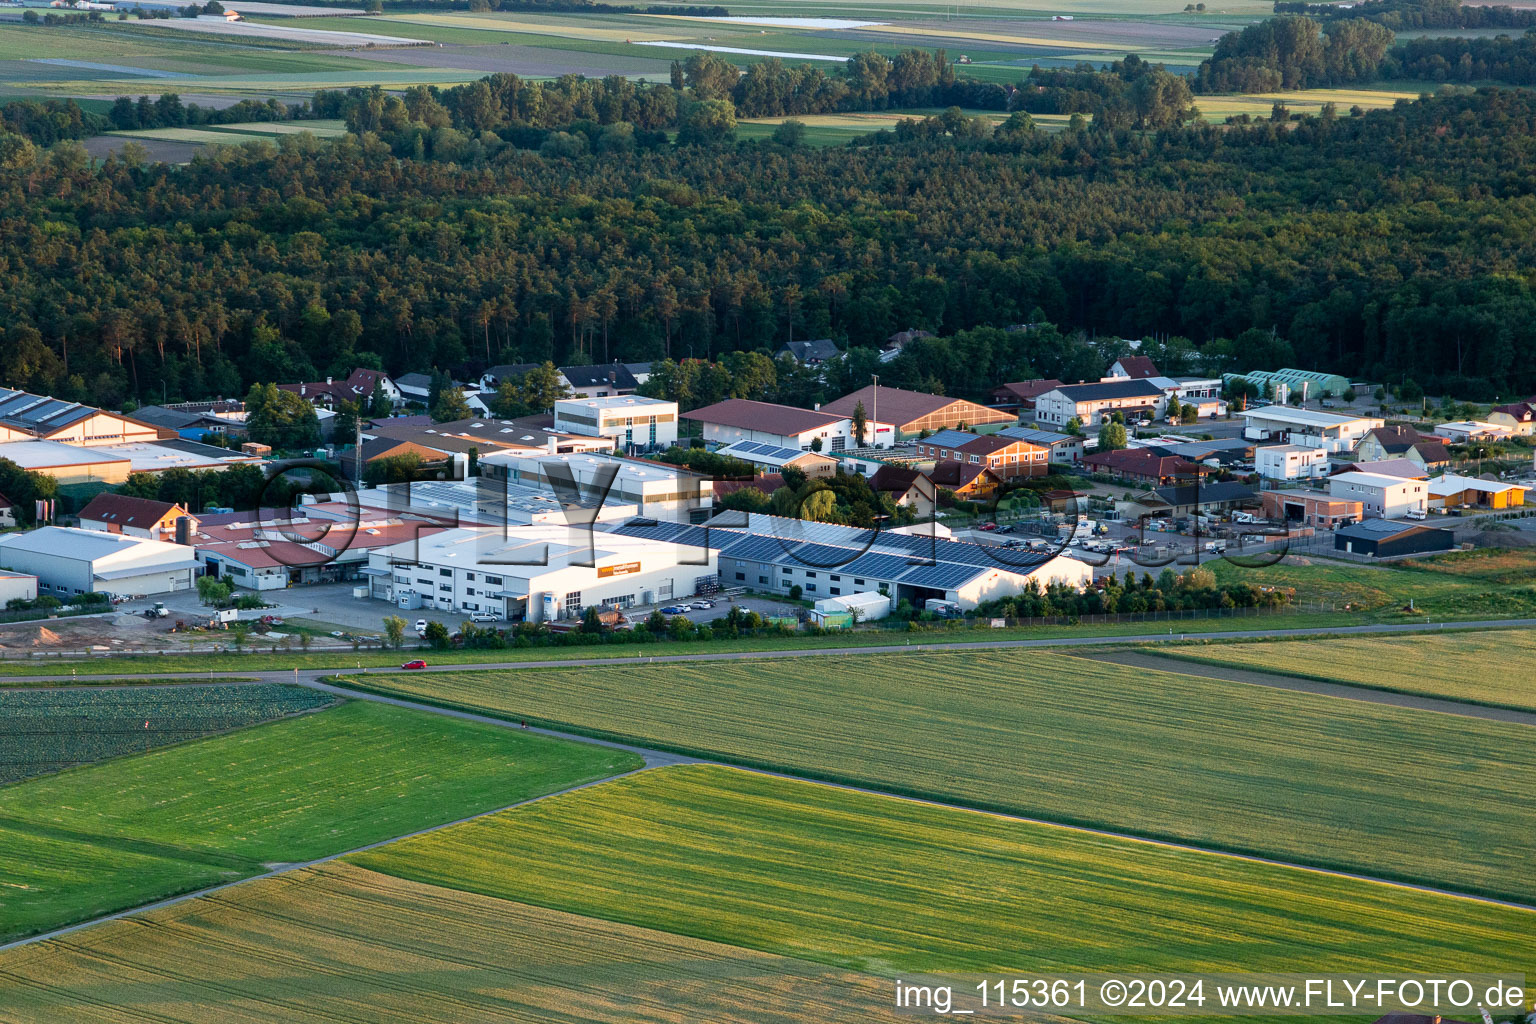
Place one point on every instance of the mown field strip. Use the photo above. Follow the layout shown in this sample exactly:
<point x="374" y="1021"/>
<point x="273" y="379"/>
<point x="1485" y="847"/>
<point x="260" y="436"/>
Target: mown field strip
<point x="1491" y="667"/>
<point x="1292" y="776"/>
<point x="94" y="840"/>
<point x="867" y="882"/>
<point x="341" y="944"/>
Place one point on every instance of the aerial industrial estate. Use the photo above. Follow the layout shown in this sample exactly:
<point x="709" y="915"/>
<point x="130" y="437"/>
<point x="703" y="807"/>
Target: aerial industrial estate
<point x="556" y="510"/>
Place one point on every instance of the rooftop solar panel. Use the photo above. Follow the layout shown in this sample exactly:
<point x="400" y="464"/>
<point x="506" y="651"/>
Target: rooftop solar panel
<point x="945" y="576"/>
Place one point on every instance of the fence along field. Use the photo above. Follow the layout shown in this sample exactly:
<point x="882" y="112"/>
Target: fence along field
<point x="1282" y="774"/>
<point x="50" y="730"/>
<point x="1486" y="667"/>
<point x="97" y="839"/>
<point x="876" y="883"/>
<point x="340" y="944"/>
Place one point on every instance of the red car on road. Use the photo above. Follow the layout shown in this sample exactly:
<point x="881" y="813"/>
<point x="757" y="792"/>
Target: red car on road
<point x="418" y="663"/>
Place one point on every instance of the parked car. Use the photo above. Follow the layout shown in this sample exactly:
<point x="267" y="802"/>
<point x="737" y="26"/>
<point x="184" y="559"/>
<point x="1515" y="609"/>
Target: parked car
<point x="421" y="625"/>
<point x="987" y="527"/>
<point x="703" y="606"/>
<point x="1006" y="529"/>
<point x="674" y="609"/>
<point x="418" y="663"/>
<point x="485" y="617"/>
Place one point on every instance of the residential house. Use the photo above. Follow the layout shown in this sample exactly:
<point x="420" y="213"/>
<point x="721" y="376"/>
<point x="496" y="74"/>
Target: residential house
<point x="809" y="353"/>
<point x="741" y="419"/>
<point x="1133" y="367"/>
<point x="601" y="381"/>
<point x="495" y="376"/>
<point x="1064" y="449"/>
<point x="903" y="414"/>
<point x="1517" y="417"/>
<point x="1091" y="404"/>
<point x="905" y="486"/>
<point x="138" y="517"/>
<point x="1405" y="468"/>
<point x="1380" y="538"/>
<point x="416" y="388"/>
<point x="1019" y="396"/>
<point x="357" y="388"/>
<point x="1381" y="496"/>
<point x="897" y="342"/>
<point x="1308" y="507"/>
<point x="1290" y="462"/>
<point x="1008" y="457"/>
<point x="1427" y="452"/>
<point x="968" y="481"/>
<point x="1144" y="466"/>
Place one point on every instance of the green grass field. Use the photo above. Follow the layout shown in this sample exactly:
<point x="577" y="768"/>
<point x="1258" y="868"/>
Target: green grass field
<point x="340" y="945"/>
<point x="50" y="730"/>
<point x="1278" y="773"/>
<point x="100" y="838"/>
<point x="879" y="884"/>
<point x="1484" y="666"/>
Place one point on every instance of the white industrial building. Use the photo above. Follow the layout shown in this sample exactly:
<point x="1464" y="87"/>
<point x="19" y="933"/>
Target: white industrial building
<point x="785" y="426"/>
<point x="655" y="488"/>
<point x="1381" y="496"/>
<point x="763" y="552"/>
<point x="1290" y="462"/>
<point x="68" y="561"/>
<point x="630" y="421"/>
<point x="17" y="586"/>
<point x="536" y="573"/>
<point x="1307" y="427"/>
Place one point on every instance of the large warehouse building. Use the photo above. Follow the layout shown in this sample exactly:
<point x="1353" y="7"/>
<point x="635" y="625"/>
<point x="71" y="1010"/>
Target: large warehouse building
<point x="825" y="560"/>
<point x="67" y="562"/>
<point x="537" y="573"/>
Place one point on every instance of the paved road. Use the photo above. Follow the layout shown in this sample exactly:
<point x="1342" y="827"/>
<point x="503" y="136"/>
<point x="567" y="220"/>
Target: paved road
<point x="659" y="659"/>
<point x="1138" y="659"/>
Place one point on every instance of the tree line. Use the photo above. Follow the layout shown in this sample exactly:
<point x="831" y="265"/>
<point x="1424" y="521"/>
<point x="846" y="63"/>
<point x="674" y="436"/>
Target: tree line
<point x="1390" y="246"/>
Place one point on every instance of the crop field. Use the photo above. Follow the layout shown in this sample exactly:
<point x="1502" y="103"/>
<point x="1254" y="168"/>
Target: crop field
<point x="1273" y="772"/>
<point x="875" y="883"/>
<point x="95" y="839"/>
<point x="50" y="730"/>
<point x="1304" y="101"/>
<point x="341" y="944"/>
<point x="1486" y="667"/>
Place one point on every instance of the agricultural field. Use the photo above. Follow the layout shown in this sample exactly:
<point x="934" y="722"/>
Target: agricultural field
<point x="43" y="731"/>
<point x="874" y="883"/>
<point x="1486" y="583"/>
<point x="95" y="839"/>
<point x="1476" y="666"/>
<point x="1278" y="773"/>
<point x="341" y="944"/>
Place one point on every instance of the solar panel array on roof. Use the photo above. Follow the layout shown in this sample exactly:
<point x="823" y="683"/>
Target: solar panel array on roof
<point x="895" y="557"/>
<point x="39" y="413"/>
<point x="763" y="449"/>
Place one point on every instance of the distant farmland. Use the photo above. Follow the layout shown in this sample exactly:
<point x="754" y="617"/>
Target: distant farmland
<point x="875" y="883"/>
<point x="1277" y="773"/>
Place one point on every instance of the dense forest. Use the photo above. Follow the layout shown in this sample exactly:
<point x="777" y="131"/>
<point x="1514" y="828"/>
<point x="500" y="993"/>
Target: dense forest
<point x="1394" y="245"/>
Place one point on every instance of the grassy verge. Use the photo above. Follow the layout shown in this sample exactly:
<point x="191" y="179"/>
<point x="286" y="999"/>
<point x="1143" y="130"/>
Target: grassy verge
<point x="1277" y="773"/>
<point x="105" y="682"/>
<point x="97" y="839"/>
<point x="872" y="883"/>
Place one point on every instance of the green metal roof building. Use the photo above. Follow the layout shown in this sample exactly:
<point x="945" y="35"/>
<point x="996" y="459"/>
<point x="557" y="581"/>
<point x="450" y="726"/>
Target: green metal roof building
<point x="1308" y="382"/>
